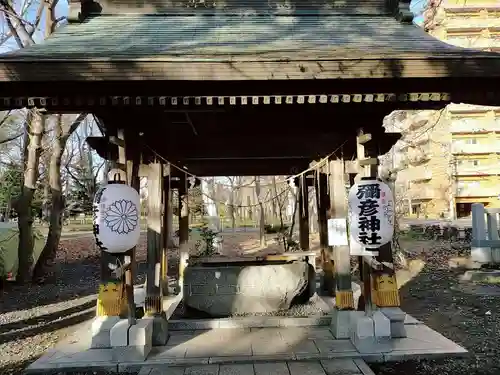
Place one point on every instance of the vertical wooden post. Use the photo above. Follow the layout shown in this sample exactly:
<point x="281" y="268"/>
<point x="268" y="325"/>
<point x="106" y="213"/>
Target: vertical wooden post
<point x="344" y="298"/>
<point x="167" y="223"/>
<point x="380" y="285"/>
<point x="153" y="303"/>
<point x="365" y="271"/>
<point x="322" y="203"/>
<point x="155" y="244"/>
<point x="132" y="162"/>
<point x="183" y="227"/>
<point x="303" y="198"/>
<point x="116" y="294"/>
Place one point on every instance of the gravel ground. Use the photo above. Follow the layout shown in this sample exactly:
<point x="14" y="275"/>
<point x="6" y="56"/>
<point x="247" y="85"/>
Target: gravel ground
<point x="467" y="314"/>
<point x="33" y="318"/>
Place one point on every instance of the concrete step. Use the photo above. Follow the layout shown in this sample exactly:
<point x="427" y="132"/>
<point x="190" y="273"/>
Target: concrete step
<point x="249" y="322"/>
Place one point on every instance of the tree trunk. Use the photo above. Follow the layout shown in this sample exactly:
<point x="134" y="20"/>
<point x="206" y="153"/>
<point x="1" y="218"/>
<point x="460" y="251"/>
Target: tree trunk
<point x="35" y="128"/>
<point x="262" y="221"/>
<point x="44" y="265"/>
<point x="46" y="260"/>
<point x="232" y="209"/>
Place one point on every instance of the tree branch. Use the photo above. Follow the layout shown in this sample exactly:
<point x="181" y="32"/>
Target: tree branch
<point x="75" y="178"/>
<point x="74" y="125"/>
<point x="10" y="13"/>
<point x="36" y="24"/>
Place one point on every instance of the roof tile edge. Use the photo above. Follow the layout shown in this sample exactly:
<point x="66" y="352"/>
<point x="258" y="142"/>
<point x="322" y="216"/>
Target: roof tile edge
<point x="79" y="10"/>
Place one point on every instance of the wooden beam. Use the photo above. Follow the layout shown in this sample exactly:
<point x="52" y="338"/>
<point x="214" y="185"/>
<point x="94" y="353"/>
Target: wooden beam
<point x="364" y="138"/>
<point x="213" y="145"/>
<point x="144" y="170"/>
<point x="241" y="167"/>
<point x="368" y="161"/>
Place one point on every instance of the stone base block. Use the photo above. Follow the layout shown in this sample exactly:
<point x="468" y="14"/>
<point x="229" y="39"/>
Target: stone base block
<point x="132" y="343"/>
<point x="370" y="334"/>
<point x="101" y="331"/>
<point x="119" y="333"/>
<point x="160" y="330"/>
<point x="381" y="325"/>
<point x="341" y="322"/>
<point x="397" y="318"/>
<point x="141" y="334"/>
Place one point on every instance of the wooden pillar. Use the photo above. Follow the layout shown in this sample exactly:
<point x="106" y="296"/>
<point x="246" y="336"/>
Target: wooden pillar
<point x="303" y="198"/>
<point x="365" y="271"/>
<point x="116" y="293"/>
<point x="341" y="254"/>
<point x="322" y="203"/>
<point x="155" y="242"/>
<point x="384" y="281"/>
<point x="183" y="227"/>
<point x="133" y="163"/>
<point x="167" y="223"/>
<point x="379" y="286"/>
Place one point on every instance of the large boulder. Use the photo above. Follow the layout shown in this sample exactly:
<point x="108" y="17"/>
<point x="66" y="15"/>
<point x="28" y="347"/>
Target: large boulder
<point x="251" y="289"/>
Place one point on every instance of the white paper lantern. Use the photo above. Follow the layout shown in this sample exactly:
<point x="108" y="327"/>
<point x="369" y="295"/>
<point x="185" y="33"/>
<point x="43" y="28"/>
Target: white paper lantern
<point x="117" y="218"/>
<point x="371" y="213"/>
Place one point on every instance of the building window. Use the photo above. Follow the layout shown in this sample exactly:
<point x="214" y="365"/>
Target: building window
<point x="415" y="209"/>
<point x="464" y="185"/>
<point x="475" y="163"/>
<point x="471" y="141"/>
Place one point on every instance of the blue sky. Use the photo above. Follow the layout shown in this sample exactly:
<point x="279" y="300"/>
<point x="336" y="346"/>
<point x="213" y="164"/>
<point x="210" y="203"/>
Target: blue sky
<point x="30" y="14"/>
<point x="417" y="7"/>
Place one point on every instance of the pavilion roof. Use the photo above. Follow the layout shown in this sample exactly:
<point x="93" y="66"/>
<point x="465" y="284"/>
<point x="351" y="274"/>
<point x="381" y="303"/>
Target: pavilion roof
<point x="156" y="42"/>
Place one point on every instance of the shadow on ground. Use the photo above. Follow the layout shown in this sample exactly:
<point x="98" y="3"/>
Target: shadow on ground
<point x="47" y="323"/>
<point x="471" y="320"/>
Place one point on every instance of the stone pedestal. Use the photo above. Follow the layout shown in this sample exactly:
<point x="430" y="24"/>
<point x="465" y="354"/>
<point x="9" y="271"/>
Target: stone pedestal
<point x="341" y="323"/>
<point x="159" y="330"/>
<point x="101" y="331"/>
<point x="132" y="343"/>
<point x="397" y="318"/>
<point x="370" y="334"/>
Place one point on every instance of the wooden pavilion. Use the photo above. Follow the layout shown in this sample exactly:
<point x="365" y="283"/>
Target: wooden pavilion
<point x="235" y="87"/>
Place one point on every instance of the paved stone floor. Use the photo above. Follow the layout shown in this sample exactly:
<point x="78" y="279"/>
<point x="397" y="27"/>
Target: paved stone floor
<point x="326" y="367"/>
<point x="248" y="345"/>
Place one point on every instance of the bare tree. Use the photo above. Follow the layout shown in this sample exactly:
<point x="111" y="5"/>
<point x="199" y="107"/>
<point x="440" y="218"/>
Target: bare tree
<point x="63" y="132"/>
<point x="35" y="126"/>
<point x="22" y="31"/>
<point x="262" y="219"/>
